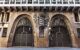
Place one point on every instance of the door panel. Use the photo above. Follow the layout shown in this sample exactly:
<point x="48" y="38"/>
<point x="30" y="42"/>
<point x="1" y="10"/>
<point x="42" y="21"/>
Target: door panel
<point x="23" y="37"/>
<point x="59" y="37"/>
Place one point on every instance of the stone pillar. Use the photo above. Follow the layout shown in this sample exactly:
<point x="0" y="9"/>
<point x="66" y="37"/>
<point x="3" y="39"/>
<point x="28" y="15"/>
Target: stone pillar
<point x="41" y="41"/>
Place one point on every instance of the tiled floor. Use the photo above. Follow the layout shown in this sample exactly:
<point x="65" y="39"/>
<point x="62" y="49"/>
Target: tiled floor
<point x="40" y="48"/>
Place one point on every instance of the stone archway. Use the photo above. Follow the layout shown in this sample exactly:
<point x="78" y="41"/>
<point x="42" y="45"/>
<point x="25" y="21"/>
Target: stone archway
<point x="59" y="34"/>
<point x="22" y="32"/>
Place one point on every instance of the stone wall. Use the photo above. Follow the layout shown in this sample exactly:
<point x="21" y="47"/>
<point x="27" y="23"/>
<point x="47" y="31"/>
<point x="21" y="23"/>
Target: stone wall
<point x="40" y="42"/>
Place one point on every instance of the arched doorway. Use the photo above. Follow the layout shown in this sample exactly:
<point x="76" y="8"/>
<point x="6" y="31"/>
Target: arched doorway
<point x="22" y="32"/>
<point x="59" y="34"/>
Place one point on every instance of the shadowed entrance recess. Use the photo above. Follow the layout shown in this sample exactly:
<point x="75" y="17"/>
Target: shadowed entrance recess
<point x="23" y="33"/>
<point x="59" y="34"/>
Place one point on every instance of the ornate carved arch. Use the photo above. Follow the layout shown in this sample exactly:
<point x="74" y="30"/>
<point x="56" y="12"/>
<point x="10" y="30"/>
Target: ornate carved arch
<point x="18" y="22"/>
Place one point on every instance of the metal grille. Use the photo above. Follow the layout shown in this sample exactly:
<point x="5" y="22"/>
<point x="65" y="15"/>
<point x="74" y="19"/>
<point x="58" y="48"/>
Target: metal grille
<point x="23" y="34"/>
<point x="59" y="35"/>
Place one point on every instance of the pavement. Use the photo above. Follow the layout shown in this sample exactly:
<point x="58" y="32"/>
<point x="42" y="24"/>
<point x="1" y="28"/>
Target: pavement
<point x="54" y="48"/>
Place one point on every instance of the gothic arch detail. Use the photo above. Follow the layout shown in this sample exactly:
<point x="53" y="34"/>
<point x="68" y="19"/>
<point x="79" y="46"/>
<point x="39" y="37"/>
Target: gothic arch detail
<point x="22" y="26"/>
<point x="59" y="33"/>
